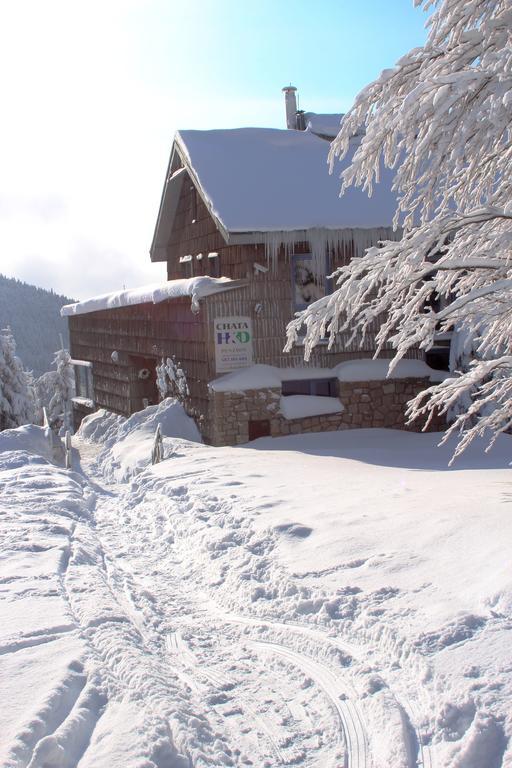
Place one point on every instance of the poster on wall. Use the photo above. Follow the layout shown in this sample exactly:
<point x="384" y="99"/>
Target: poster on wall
<point x="233" y="343"/>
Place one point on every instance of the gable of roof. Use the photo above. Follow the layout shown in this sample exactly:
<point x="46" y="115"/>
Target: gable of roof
<point x="266" y="180"/>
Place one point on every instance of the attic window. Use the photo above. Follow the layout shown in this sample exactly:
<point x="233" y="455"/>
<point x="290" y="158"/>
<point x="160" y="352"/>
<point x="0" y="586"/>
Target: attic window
<point x="213" y="264"/>
<point x="193" y="197"/>
<point x="187" y="266"/>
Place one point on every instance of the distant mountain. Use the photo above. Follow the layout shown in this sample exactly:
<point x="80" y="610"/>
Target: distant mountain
<point x="34" y="317"/>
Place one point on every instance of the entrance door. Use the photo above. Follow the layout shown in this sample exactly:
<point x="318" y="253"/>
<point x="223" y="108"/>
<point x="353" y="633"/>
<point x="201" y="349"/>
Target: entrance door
<point x="259" y="428"/>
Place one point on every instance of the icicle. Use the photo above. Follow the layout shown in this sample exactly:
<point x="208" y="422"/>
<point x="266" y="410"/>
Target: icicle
<point x="322" y="241"/>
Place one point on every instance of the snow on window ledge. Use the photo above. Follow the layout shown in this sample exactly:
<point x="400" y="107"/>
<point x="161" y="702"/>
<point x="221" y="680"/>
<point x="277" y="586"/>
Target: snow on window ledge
<point x="85" y="402"/>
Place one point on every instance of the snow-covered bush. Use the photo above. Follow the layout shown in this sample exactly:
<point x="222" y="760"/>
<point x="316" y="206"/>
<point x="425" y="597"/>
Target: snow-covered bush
<point x="442" y="118"/>
<point x="171" y="380"/>
<point x="17" y="400"/>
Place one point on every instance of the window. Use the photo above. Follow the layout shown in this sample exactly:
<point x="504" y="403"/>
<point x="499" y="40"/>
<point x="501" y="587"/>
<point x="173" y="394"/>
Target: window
<point x="193" y="204"/>
<point x="307" y="287"/>
<point x="318" y="387"/>
<point x="83" y="380"/>
<point x="214" y="264"/>
<point x="187" y="266"/>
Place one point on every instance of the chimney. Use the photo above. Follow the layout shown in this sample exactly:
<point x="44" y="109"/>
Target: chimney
<point x="290" y="101"/>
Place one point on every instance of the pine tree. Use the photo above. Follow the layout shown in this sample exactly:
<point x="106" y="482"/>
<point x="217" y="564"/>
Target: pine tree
<point x="17" y="399"/>
<point x="60" y="405"/>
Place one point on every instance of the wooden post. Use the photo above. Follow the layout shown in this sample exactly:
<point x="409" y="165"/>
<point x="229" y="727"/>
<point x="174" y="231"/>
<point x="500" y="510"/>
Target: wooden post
<point x="157" y="454"/>
<point x="67" y="445"/>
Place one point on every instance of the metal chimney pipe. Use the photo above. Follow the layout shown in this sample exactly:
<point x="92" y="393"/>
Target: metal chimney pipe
<point x="290" y="101"/>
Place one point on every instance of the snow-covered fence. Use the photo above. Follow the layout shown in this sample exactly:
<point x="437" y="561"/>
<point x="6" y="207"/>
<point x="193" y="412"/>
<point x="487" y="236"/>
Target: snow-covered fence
<point x="157" y="453"/>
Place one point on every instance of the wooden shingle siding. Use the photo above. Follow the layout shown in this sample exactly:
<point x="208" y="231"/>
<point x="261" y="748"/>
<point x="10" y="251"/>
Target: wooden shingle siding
<point x="149" y="331"/>
<point x="190" y="237"/>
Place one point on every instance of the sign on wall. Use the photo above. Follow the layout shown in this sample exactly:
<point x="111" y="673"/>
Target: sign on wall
<point x="233" y="343"/>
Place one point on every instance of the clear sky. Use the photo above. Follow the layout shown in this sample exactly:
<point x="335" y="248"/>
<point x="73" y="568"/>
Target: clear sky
<point x="92" y="92"/>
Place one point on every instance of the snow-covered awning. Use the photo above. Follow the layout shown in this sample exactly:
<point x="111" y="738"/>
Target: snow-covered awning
<point x="195" y="287"/>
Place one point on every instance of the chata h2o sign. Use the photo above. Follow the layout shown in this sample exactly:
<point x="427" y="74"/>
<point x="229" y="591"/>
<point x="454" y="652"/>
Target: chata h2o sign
<point x="233" y="343"/>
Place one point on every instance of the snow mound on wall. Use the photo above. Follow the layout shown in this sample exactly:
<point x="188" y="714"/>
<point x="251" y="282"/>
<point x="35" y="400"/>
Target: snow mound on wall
<point x="265" y="376"/>
<point x="127" y="443"/>
<point x="302" y="406"/>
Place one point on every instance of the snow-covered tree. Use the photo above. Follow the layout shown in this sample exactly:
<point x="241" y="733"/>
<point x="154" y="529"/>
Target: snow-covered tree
<point x="17" y="401"/>
<point x="60" y="409"/>
<point x="442" y="118"/>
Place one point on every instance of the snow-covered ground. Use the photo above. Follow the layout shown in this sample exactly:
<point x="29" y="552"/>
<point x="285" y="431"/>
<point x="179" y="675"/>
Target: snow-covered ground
<point x="339" y="599"/>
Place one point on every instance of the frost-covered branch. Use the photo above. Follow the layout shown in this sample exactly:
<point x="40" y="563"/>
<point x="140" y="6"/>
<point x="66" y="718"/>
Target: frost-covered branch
<point x="441" y="117"/>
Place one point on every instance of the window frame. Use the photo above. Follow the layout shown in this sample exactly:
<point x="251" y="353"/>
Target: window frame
<point x="315" y="387"/>
<point x="84" y="383"/>
<point x="299" y="306"/>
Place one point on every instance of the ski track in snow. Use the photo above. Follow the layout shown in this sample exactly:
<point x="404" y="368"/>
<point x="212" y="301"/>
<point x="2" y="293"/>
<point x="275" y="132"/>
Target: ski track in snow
<point x="170" y="600"/>
<point x="155" y="601"/>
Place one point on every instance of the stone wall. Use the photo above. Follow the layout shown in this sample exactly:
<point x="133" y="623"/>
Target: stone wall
<point x="236" y="417"/>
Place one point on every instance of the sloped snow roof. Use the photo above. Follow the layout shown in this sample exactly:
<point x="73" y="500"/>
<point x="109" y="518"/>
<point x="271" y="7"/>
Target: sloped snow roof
<point x="195" y="287"/>
<point x="323" y="124"/>
<point x="271" y="180"/>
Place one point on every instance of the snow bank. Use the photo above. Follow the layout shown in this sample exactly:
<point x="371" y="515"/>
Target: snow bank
<point x="361" y="551"/>
<point x="195" y="287"/>
<point x="31" y="439"/>
<point x="301" y="406"/>
<point x="127" y="443"/>
<point x="265" y="376"/>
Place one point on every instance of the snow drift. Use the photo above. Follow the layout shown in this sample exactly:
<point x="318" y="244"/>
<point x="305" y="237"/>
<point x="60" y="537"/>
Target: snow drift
<point x="127" y="442"/>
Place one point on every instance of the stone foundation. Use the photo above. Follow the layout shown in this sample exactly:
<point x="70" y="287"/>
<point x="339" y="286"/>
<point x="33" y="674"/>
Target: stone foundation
<point x="237" y="417"/>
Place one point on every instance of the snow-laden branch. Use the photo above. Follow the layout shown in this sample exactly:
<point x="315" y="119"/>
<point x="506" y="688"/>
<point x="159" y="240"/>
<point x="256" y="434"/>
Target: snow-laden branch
<point x="441" y="117"/>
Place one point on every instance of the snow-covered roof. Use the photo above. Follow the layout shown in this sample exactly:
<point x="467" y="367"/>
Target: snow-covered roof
<point x="270" y="180"/>
<point x="195" y="287"/>
<point x="323" y="124"/>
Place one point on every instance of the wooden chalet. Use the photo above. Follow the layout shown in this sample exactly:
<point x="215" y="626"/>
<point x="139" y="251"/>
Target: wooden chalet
<point x="250" y="226"/>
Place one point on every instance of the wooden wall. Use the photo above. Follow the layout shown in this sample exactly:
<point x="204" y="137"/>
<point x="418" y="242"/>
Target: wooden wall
<point x="143" y="332"/>
<point x="195" y="232"/>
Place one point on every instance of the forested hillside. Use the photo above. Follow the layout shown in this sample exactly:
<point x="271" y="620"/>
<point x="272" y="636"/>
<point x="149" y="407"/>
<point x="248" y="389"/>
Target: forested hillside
<point x="34" y="317"/>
